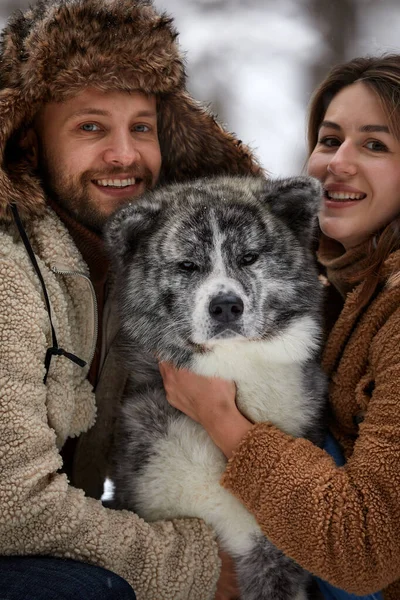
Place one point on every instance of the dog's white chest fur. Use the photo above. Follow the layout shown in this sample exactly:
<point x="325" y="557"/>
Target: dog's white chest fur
<point x="268" y="374"/>
<point x="182" y="476"/>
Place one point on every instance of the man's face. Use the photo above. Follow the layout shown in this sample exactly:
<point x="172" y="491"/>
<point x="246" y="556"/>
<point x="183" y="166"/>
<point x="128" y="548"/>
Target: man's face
<point x="97" y="151"/>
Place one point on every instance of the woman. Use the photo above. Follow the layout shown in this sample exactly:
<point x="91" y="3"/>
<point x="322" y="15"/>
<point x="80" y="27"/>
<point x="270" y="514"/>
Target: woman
<point x="342" y="523"/>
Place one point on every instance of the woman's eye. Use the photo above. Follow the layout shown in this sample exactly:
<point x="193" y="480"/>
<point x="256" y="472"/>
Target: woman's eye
<point x="90" y="127"/>
<point x="248" y="259"/>
<point x="376" y="146"/>
<point x="329" y="142"/>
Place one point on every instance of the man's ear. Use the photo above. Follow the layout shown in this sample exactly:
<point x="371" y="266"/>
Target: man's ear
<point x="29" y="145"/>
<point x="296" y="201"/>
<point x="129" y="225"/>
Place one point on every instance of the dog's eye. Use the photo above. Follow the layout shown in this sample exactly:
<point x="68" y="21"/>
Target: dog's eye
<point x="248" y="259"/>
<point x="187" y="265"/>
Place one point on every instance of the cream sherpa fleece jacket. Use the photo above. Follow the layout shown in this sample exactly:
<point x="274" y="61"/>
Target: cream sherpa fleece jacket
<point x="40" y="513"/>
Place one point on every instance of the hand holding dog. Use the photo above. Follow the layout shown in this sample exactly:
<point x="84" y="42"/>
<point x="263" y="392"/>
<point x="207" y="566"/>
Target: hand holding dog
<point x="209" y="401"/>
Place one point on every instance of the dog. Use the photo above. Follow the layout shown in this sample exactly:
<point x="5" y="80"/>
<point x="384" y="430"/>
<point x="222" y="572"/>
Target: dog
<point x="217" y="276"/>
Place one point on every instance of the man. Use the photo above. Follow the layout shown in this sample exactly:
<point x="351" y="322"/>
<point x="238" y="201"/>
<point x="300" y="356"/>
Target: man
<point x="94" y="111"/>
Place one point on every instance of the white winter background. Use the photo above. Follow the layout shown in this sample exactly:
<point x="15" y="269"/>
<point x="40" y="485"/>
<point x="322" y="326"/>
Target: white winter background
<point x="257" y="61"/>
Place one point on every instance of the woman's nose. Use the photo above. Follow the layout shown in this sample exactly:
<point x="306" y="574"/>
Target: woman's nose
<point x="344" y="161"/>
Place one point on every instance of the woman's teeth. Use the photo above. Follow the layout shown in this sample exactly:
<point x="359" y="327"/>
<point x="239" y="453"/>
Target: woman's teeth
<point x="344" y="196"/>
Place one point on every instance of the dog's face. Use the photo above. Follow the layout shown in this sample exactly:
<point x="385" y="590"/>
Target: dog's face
<point x="215" y="258"/>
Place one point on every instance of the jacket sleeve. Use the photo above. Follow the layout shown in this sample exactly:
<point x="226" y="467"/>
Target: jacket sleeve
<point x="340" y="523"/>
<point x="40" y="513"/>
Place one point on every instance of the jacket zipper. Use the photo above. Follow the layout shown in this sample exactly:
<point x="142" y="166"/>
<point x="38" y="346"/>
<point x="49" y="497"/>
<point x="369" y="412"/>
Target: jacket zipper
<point x="67" y="272"/>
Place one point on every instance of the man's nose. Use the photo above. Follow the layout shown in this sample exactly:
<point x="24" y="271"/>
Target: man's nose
<point x="122" y="150"/>
<point x="344" y="161"/>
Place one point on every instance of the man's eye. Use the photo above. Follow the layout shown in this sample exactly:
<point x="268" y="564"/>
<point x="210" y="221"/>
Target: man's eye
<point x="90" y="127"/>
<point x="141" y="128"/>
<point x="376" y="146"/>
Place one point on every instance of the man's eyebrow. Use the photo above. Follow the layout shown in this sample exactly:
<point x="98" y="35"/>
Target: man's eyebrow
<point x="87" y="112"/>
<point x="83" y="112"/>
<point x="363" y="128"/>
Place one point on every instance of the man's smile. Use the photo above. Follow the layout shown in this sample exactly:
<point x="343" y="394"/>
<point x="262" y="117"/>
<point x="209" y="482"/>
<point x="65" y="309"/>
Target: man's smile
<point x="116" y="183"/>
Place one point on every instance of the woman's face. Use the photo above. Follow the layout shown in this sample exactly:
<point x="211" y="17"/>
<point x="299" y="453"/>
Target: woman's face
<point x="357" y="159"/>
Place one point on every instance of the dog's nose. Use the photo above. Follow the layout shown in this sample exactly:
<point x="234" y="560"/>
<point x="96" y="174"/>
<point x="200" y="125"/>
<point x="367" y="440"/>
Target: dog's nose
<point x="226" y="308"/>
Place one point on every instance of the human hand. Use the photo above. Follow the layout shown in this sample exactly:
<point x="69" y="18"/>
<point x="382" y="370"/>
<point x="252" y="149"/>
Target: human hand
<point x="201" y="398"/>
<point x="227" y="585"/>
<point x="209" y="401"/>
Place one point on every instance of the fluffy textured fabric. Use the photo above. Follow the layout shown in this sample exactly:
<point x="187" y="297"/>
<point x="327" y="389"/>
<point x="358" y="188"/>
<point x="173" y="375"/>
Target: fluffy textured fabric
<point x="343" y="524"/>
<point x="58" y="48"/>
<point x="40" y="513"/>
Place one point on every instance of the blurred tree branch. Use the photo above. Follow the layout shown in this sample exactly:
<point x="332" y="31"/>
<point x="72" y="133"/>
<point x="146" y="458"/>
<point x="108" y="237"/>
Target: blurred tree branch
<point x="338" y="24"/>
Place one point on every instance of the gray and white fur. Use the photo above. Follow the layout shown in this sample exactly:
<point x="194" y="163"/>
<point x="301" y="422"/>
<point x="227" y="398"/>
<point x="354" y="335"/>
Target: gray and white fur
<point x="217" y="276"/>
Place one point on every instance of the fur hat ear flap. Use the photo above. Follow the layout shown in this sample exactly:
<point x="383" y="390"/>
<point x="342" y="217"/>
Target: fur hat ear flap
<point x="29" y="146"/>
<point x="124" y="230"/>
<point x="296" y="201"/>
<point x="18" y="181"/>
<point x="194" y="145"/>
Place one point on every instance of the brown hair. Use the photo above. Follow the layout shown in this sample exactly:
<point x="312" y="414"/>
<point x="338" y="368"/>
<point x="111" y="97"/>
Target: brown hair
<point x="382" y="75"/>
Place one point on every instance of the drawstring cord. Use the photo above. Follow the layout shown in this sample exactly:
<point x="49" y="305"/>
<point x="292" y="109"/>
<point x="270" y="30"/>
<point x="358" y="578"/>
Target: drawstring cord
<point x="54" y="350"/>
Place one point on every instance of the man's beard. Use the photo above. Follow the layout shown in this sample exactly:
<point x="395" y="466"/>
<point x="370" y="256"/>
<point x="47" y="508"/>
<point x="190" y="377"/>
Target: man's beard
<point x="73" y="195"/>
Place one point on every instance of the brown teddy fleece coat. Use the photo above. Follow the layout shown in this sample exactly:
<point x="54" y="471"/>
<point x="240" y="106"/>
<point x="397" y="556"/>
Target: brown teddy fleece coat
<point x="51" y="52"/>
<point x="340" y="523"/>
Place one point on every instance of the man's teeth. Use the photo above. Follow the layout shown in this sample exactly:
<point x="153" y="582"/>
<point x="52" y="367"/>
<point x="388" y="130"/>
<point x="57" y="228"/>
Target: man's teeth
<point x="119" y="183"/>
<point x="344" y="196"/>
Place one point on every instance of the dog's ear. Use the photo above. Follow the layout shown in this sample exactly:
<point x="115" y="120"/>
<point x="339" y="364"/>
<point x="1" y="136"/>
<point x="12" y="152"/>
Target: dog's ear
<point x="125" y="229"/>
<point x="296" y="201"/>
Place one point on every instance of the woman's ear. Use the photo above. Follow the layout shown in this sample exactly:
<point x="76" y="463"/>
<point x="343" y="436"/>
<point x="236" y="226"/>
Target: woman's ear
<point x="29" y="144"/>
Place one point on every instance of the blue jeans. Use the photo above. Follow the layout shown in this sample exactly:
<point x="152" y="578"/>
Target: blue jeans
<point x="47" y="578"/>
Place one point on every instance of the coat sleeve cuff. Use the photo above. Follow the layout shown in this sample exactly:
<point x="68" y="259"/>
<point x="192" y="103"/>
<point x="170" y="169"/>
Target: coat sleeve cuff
<point x="253" y="460"/>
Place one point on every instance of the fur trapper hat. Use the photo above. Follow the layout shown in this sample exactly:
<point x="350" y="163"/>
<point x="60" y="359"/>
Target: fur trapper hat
<point x="59" y="47"/>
